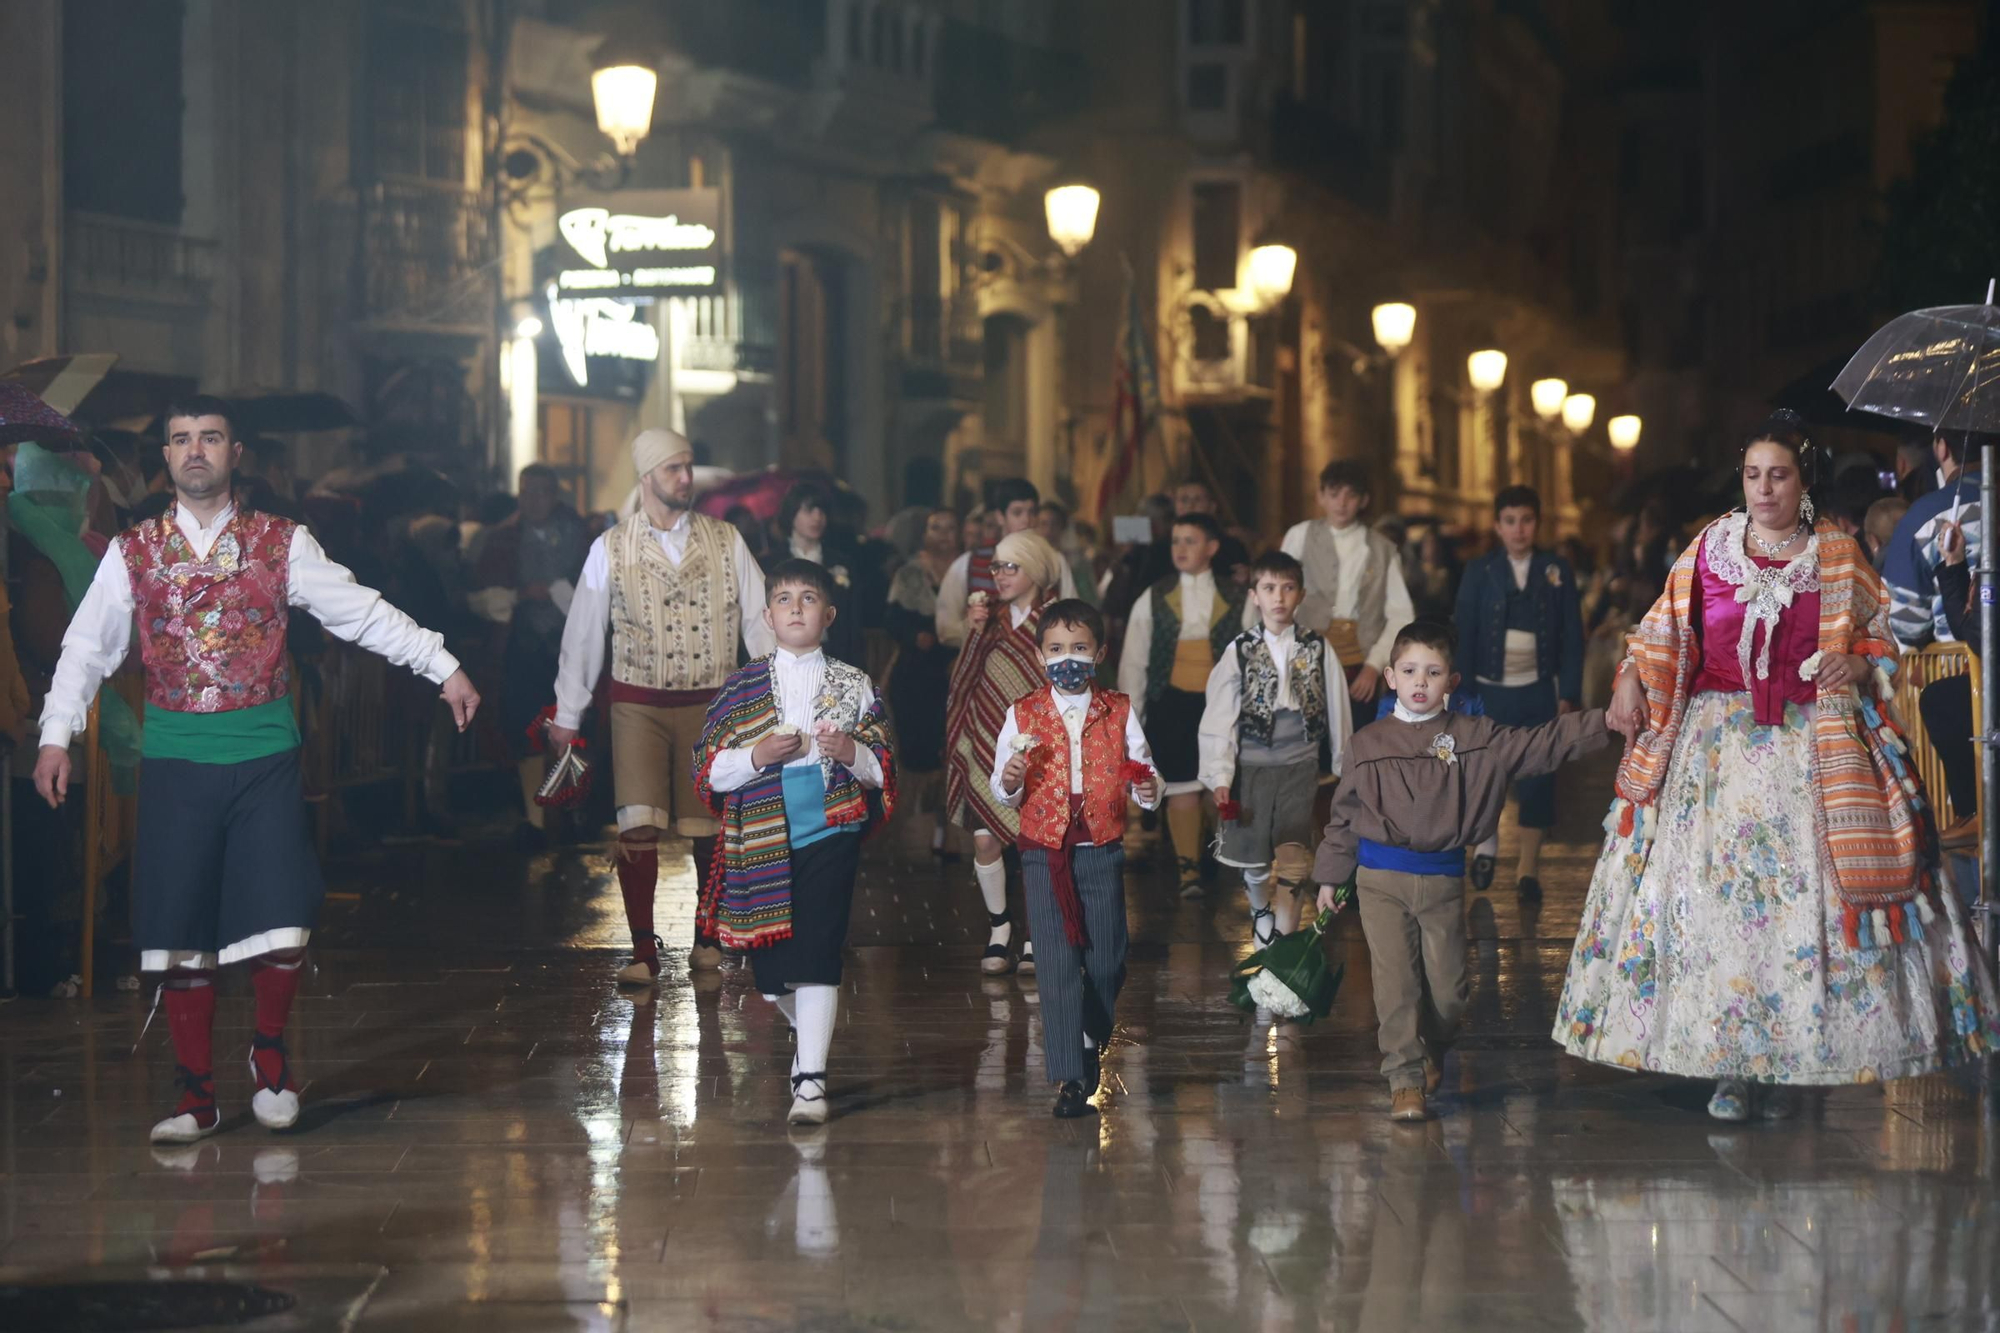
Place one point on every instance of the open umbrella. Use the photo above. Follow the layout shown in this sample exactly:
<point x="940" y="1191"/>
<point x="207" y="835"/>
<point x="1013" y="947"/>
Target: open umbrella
<point x="63" y="382"/>
<point x="23" y="416"/>
<point x="1937" y="367"/>
<point x="262" y="411"/>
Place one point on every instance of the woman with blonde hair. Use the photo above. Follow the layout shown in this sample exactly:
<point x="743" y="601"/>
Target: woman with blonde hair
<point x="1001" y="661"/>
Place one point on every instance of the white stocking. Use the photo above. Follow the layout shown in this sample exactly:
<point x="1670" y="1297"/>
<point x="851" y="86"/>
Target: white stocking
<point x="818" y="1007"/>
<point x="992" y="877"/>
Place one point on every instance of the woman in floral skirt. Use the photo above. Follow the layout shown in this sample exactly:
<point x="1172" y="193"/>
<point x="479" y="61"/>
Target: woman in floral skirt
<point x="1767" y="911"/>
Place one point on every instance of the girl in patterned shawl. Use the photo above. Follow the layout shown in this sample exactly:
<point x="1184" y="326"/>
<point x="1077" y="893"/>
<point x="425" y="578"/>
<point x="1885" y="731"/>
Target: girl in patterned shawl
<point x="1767" y="911"/>
<point x="1002" y="661"/>
<point x="791" y="757"/>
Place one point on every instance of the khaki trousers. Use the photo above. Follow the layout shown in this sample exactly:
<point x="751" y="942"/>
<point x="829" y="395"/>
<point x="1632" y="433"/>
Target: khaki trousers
<point x="1415" y="926"/>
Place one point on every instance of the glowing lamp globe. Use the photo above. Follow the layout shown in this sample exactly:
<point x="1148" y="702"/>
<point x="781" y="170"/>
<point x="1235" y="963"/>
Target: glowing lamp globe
<point x="1072" y="211"/>
<point x="1272" y="267"/>
<point x="1486" y="369"/>
<point x="624" y="97"/>
<point x="1579" y="410"/>
<point x="1624" y="432"/>
<point x="1395" y="325"/>
<point x="1548" y="396"/>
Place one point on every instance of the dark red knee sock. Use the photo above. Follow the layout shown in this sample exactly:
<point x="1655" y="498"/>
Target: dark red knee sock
<point x="704" y="866"/>
<point x="638" y="878"/>
<point x="276" y="979"/>
<point x="189" y="999"/>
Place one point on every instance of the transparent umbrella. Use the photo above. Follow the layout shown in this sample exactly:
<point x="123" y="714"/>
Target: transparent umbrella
<point x="1938" y="367"/>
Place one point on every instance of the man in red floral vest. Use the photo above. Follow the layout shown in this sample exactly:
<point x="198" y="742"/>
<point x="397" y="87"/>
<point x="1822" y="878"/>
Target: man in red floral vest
<point x="225" y="871"/>
<point x="1067" y="757"/>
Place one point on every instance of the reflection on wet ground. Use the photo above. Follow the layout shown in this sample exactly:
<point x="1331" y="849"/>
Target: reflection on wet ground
<point x="493" y="1133"/>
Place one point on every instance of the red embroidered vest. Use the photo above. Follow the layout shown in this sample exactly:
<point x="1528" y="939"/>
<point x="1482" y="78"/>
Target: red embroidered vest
<point x="1045" y="812"/>
<point x="212" y="632"/>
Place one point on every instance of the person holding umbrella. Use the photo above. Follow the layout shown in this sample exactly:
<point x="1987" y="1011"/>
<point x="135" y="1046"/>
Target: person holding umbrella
<point x="1768" y="911"/>
<point x="1917" y="611"/>
<point x="228" y="873"/>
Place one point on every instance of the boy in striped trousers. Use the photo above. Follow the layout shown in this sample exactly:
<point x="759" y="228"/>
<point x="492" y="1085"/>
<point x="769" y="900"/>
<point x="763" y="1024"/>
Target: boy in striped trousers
<point x="1067" y="758"/>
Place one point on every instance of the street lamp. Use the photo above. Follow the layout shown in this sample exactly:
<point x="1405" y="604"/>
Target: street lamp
<point x="1548" y="396"/>
<point x="624" y="95"/>
<point x="1273" y="264"/>
<point x="1072" y="212"/>
<point x="1487" y="369"/>
<point x="1624" y="433"/>
<point x="1395" y="325"/>
<point x="1578" y="411"/>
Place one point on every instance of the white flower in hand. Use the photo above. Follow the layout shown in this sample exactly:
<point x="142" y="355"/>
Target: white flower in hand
<point x="1024" y="743"/>
<point x="1809" y="669"/>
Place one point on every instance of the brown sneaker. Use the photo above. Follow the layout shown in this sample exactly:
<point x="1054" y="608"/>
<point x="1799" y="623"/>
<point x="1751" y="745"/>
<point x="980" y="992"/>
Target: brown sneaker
<point x="1407" y="1104"/>
<point x="1960" y="835"/>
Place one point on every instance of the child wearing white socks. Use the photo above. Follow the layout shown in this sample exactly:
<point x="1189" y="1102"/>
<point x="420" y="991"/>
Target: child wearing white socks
<point x="795" y="758"/>
<point x="1276" y="718"/>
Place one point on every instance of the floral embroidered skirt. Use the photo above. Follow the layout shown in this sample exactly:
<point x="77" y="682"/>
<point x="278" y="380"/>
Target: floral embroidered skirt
<point x="1720" y="954"/>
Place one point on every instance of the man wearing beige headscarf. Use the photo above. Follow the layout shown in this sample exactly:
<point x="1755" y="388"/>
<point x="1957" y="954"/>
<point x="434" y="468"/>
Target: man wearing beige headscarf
<point x="675" y="591"/>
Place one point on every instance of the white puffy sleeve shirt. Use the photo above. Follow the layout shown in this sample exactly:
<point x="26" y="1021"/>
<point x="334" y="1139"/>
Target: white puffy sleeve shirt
<point x="100" y="633"/>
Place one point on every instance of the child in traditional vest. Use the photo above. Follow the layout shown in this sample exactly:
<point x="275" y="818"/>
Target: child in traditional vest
<point x="793" y="747"/>
<point x="1420" y="785"/>
<point x="1276" y="712"/>
<point x="1520" y="644"/>
<point x="1179" y="629"/>
<point x="1066" y="758"/>
<point x="1355" y="594"/>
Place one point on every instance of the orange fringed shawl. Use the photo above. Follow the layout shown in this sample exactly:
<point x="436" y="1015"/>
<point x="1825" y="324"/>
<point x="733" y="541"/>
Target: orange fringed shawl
<point x="1872" y="816"/>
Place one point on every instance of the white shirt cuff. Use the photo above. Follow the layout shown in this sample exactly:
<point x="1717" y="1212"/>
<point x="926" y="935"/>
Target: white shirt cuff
<point x="866" y="768"/>
<point x="442" y="668"/>
<point x="732" y="770"/>
<point x="57" y="734"/>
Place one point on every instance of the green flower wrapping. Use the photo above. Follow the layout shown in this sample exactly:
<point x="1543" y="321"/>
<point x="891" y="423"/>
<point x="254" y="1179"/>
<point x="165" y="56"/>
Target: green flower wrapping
<point x="1291" y="976"/>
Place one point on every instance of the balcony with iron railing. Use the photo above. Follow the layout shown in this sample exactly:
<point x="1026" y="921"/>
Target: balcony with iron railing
<point x="145" y="261"/>
<point x="943" y="352"/>
<point x="423" y="257"/>
<point x="734" y="332"/>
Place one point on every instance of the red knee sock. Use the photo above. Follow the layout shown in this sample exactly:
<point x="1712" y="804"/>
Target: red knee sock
<point x="189" y="999"/>
<point x="638" y="878"/>
<point x="276" y="979"/>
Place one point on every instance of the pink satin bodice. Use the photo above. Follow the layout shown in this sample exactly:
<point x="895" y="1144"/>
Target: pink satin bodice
<point x="1720" y="618"/>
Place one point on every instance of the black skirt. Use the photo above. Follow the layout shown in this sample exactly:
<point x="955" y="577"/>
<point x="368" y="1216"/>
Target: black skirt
<point x="1173" y="729"/>
<point x="822" y="897"/>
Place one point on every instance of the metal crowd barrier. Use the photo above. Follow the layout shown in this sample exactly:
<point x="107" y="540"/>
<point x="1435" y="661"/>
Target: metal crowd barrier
<point x="1921" y="669"/>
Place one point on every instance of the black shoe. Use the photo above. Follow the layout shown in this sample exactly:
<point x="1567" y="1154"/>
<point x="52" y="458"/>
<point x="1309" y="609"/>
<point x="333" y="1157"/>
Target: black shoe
<point x="1072" y="1102"/>
<point x="1093" y="1062"/>
<point x="1482" y="873"/>
<point x="1530" y="889"/>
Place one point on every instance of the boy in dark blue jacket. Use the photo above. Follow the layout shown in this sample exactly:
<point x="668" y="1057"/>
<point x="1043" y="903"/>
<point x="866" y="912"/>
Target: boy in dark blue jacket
<point x="1520" y="650"/>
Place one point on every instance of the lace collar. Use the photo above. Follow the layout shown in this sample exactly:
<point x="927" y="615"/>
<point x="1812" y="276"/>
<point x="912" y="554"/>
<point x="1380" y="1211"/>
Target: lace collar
<point x="1765" y="591"/>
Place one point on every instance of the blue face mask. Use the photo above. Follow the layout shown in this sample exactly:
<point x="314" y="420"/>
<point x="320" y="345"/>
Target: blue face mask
<point x="1071" y="674"/>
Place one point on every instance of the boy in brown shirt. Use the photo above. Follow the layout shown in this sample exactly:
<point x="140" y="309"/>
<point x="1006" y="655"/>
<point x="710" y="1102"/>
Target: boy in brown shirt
<point x="1420" y="786"/>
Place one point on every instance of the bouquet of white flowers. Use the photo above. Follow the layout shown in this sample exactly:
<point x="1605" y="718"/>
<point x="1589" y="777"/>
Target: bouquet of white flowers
<point x="1290" y="976"/>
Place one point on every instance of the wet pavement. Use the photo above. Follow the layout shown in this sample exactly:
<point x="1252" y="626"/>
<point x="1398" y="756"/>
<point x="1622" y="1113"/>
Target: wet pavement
<point x="492" y="1133"/>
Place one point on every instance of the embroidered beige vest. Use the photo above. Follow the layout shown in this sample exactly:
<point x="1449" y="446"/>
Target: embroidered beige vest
<point x="673" y="627"/>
